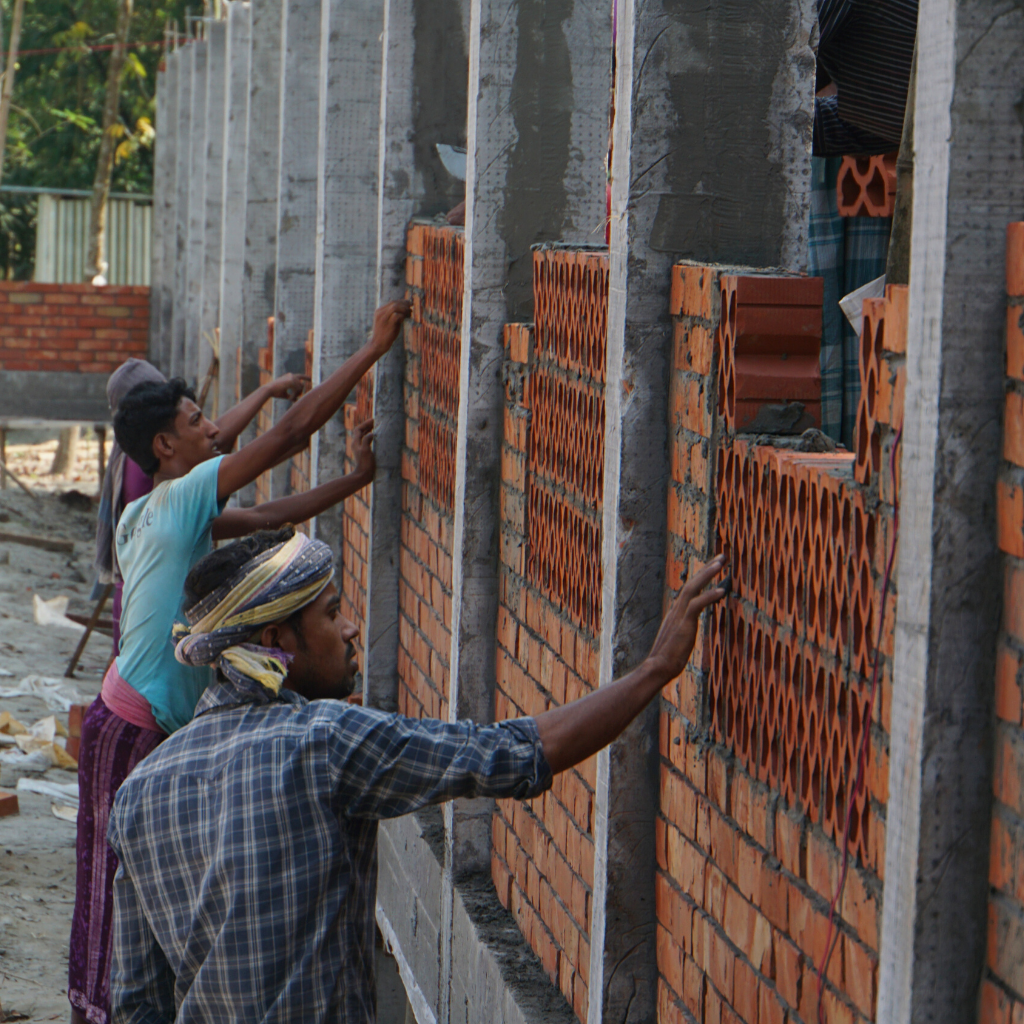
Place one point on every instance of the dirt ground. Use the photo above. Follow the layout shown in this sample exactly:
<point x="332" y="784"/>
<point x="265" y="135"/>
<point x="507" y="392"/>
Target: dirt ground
<point x="37" y="849"/>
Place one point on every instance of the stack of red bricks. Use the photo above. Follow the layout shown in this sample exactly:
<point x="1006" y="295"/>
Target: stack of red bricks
<point x="433" y="343"/>
<point x="542" y="859"/>
<point x="355" y="519"/>
<point x="80" y="328"/>
<point x="760" y="737"/>
<point x="1003" y="989"/>
<point x="866" y="186"/>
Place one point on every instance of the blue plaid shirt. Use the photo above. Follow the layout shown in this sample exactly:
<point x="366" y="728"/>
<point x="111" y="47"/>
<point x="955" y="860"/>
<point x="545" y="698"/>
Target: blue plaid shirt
<point x="248" y="850"/>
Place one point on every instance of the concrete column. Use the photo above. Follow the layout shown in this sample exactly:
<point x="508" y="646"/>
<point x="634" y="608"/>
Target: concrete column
<point x="196" y="210"/>
<point x="236" y="151"/>
<point x="346" y="211"/>
<point x="185" y="61"/>
<point x="968" y="146"/>
<point x="165" y="203"/>
<point x="297" y="195"/>
<point x="216" y="98"/>
<point x="681" y="186"/>
<point x="161" y="191"/>
<point x="422" y="102"/>
<point x="261" y="178"/>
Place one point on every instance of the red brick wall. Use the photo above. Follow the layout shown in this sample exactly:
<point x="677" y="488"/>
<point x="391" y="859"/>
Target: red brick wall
<point x="542" y="859"/>
<point x="1003" y="989"/>
<point x="72" y="327"/>
<point x="355" y="521"/>
<point x="431" y="395"/>
<point x="760" y="737"/>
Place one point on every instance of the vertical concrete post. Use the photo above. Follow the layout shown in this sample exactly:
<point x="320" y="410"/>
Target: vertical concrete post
<point x="297" y="193"/>
<point x="967" y="118"/>
<point x="165" y="202"/>
<point x="236" y="152"/>
<point x="196" y="210"/>
<point x="422" y="102"/>
<point x="680" y="187"/>
<point x="184" y="57"/>
<point x="261" y="182"/>
<point x="346" y="209"/>
<point x="160" y="191"/>
<point x="216" y="96"/>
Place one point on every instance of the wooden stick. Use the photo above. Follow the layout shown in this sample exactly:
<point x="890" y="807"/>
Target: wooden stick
<point x="7" y="472"/>
<point x="46" y="543"/>
<point x="69" y="672"/>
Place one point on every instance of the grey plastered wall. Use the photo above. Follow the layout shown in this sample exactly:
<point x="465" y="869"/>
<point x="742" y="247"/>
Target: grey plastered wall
<point x="184" y="56"/>
<point x="164" y="199"/>
<point x="236" y="150"/>
<point x="346" y="235"/>
<point x="196" y="211"/>
<point x="261" y="184"/>
<point x="969" y="152"/>
<point x="297" y="191"/>
<point x="701" y="92"/>
<point x="424" y="72"/>
<point x="216" y="97"/>
<point x="160" y="191"/>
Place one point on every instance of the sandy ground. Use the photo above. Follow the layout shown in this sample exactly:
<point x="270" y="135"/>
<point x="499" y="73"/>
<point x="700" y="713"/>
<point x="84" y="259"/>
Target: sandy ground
<point x="37" y="864"/>
<point x="37" y="849"/>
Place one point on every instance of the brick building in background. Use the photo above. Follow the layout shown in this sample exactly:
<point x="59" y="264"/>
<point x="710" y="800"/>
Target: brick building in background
<point x="821" y="818"/>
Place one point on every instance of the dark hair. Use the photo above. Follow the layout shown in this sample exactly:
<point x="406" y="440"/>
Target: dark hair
<point x="219" y="566"/>
<point x="147" y="410"/>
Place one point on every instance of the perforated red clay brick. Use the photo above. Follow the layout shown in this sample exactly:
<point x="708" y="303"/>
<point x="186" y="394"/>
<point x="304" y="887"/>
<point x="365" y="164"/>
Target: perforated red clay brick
<point x="866" y="186"/>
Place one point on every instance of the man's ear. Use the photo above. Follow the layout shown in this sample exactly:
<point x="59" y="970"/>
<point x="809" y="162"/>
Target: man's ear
<point x="280" y="636"/>
<point x="163" y="446"/>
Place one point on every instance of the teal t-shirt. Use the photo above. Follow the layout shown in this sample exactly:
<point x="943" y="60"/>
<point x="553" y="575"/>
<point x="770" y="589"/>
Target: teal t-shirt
<point x="159" y="538"/>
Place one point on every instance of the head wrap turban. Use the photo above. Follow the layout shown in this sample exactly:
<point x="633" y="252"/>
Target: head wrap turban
<point x="269" y="588"/>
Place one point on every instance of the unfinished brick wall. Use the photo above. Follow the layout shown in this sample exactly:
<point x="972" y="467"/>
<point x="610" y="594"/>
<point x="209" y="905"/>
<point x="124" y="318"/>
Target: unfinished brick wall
<point x="1002" y="1000"/>
<point x="81" y="328"/>
<point x="433" y="342"/>
<point x="355" y="521"/>
<point x="760" y="737"/>
<point x="542" y="859"/>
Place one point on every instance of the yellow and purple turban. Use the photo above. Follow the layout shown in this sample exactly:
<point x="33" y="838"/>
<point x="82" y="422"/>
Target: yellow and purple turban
<point x="268" y="588"/>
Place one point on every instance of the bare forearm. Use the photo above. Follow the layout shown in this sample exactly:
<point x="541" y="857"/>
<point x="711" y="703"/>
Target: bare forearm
<point x="296" y="508"/>
<point x="575" y="731"/>
<point x="236" y="419"/>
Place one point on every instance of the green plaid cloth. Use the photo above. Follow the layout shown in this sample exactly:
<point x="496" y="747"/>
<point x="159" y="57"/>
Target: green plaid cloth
<point x="847" y="252"/>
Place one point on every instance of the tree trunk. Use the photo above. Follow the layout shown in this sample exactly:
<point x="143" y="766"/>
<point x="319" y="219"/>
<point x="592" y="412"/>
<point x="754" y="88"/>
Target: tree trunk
<point x="96" y="263"/>
<point x="67" y="448"/>
<point x="8" y="87"/>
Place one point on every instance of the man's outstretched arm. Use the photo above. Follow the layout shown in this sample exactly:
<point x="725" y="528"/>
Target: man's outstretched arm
<point x="311" y="411"/>
<point x="575" y="731"/>
<point x="297" y="508"/>
<point x="238" y="417"/>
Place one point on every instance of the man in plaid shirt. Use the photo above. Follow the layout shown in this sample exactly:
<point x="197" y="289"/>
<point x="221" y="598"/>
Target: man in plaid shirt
<point x="247" y="841"/>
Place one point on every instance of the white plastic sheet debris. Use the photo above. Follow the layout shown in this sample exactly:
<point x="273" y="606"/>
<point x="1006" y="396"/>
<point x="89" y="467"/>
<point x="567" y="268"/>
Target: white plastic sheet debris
<point x="65" y="812"/>
<point x="852" y="305"/>
<point x="51" y="613"/>
<point x="57" y="694"/>
<point x="65" y="792"/>
<point x="34" y="762"/>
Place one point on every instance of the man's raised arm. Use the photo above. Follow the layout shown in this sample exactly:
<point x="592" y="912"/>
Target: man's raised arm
<point x="311" y="411"/>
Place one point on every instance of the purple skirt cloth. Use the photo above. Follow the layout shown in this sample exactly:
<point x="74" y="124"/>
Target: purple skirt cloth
<point x="110" y="749"/>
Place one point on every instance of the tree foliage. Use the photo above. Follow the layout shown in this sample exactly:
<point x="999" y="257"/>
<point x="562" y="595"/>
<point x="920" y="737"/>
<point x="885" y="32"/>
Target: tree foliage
<point x="54" y="133"/>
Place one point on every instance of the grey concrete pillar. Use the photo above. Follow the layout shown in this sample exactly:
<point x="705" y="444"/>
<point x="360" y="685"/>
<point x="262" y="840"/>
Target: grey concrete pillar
<point x="236" y="152"/>
<point x="297" y="194"/>
<point x="424" y="73"/>
<point x="969" y="146"/>
<point x="681" y="186"/>
<point x="161" y="155"/>
<point x="196" y="211"/>
<point x="165" y="202"/>
<point x="346" y="211"/>
<point x="216" y="98"/>
<point x="184" y="57"/>
<point x="261" y="183"/>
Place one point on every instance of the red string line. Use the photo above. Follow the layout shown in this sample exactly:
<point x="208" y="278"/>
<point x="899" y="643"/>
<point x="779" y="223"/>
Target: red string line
<point x="832" y="937"/>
